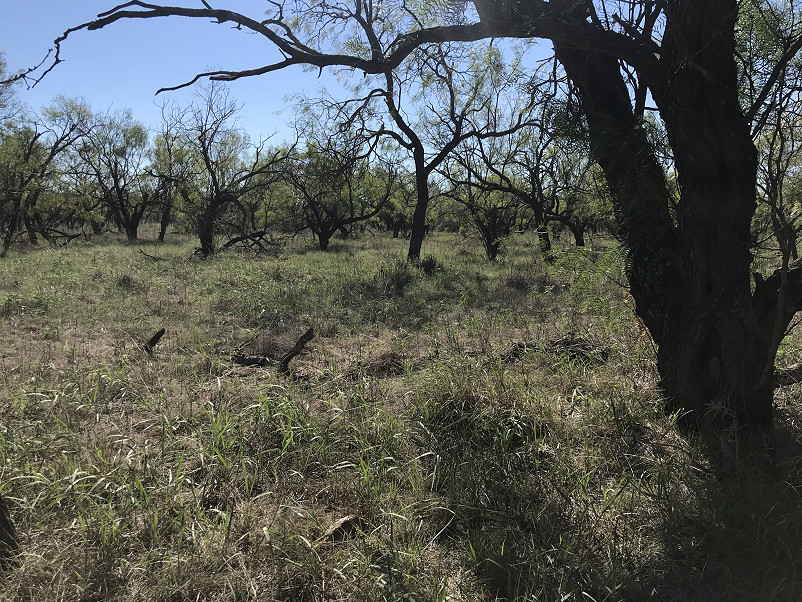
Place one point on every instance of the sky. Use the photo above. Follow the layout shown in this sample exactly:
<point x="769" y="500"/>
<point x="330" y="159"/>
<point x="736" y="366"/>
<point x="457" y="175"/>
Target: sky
<point x="123" y="65"/>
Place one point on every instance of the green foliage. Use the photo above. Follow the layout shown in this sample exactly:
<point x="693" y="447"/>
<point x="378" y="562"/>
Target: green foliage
<point x="108" y="165"/>
<point x="31" y="156"/>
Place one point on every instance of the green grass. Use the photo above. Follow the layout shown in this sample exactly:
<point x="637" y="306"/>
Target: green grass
<point x="474" y="473"/>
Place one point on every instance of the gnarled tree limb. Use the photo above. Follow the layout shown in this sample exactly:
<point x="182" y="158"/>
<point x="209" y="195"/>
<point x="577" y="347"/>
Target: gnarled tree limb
<point x="767" y="292"/>
<point x="299" y="345"/>
<point x="535" y="19"/>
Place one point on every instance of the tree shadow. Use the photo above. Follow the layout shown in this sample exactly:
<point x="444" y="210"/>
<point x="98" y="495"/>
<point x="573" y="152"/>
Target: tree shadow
<point x="736" y="533"/>
<point x="729" y="527"/>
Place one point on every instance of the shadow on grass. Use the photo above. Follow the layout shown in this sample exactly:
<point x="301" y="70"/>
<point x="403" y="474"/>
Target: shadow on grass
<point x="722" y="523"/>
<point x="737" y="535"/>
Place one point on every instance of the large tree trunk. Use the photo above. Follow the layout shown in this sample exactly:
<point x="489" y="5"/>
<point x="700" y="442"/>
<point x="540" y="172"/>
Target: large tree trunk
<point x="206" y="231"/>
<point x="691" y="278"/>
<point x="578" y="231"/>
<point x="719" y="349"/>
<point x="543" y="237"/>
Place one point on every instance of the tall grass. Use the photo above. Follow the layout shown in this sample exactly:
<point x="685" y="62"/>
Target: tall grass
<point x="432" y="443"/>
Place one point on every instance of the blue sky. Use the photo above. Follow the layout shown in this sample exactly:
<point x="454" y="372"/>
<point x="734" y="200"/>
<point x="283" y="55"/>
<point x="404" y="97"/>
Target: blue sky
<point x="124" y="64"/>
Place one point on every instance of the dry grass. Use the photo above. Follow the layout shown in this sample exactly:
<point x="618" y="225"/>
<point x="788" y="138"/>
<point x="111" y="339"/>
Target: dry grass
<point x="471" y="473"/>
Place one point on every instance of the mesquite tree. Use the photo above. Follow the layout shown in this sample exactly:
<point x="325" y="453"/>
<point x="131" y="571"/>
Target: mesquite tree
<point x="426" y="106"/>
<point x="30" y="150"/>
<point x="340" y="179"/>
<point x="494" y="213"/>
<point x="690" y="263"/>
<point x="112" y="155"/>
<point x="551" y="176"/>
<point x="210" y="163"/>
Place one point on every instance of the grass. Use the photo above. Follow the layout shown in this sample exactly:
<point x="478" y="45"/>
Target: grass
<point x="464" y="471"/>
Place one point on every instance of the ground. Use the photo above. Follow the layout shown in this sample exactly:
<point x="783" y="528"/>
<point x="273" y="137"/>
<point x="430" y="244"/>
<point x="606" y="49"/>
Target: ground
<point x="457" y="430"/>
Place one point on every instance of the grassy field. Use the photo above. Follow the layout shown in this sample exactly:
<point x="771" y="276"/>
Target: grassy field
<point x="457" y="430"/>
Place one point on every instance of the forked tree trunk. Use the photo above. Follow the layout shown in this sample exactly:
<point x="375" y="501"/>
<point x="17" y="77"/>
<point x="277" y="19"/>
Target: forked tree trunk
<point x="541" y="224"/>
<point x="30" y="228"/>
<point x="690" y="278"/>
<point x="719" y="348"/>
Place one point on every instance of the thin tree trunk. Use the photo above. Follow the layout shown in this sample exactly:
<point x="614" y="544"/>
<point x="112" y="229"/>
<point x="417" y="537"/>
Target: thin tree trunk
<point x="164" y="223"/>
<point x="418" y="231"/>
<point x="11" y="226"/>
<point x="30" y="228"/>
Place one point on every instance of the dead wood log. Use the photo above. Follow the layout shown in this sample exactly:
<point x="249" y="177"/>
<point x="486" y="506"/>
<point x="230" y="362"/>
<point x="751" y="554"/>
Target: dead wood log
<point x="579" y="349"/>
<point x="299" y="345"/>
<point x="153" y="341"/>
<point x="517" y="350"/>
<point x="9" y="546"/>
<point x="251" y="360"/>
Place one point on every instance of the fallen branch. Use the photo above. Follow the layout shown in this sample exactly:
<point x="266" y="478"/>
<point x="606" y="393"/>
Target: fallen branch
<point x="153" y="341"/>
<point x="342" y="529"/>
<point x="579" y="349"/>
<point x="576" y="349"/>
<point x="153" y="257"/>
<point x="251" y="360"/>
<point x="259" y="240"/>
<point x="299" y="345"/>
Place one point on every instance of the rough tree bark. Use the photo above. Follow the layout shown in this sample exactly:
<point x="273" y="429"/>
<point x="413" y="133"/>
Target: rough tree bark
<point x="690" y="279"/>
<point x="206" y="230"/>
<point x="164" y="221"/>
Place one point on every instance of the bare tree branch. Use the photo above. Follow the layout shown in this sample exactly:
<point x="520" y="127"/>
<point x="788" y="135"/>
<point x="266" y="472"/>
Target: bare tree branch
<point x="541" y="20"/>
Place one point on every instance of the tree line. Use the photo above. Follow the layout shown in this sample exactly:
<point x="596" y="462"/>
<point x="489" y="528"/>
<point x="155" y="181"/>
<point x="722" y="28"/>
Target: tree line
<point x="689" y="115"/>
<point x="493" y="168"/>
